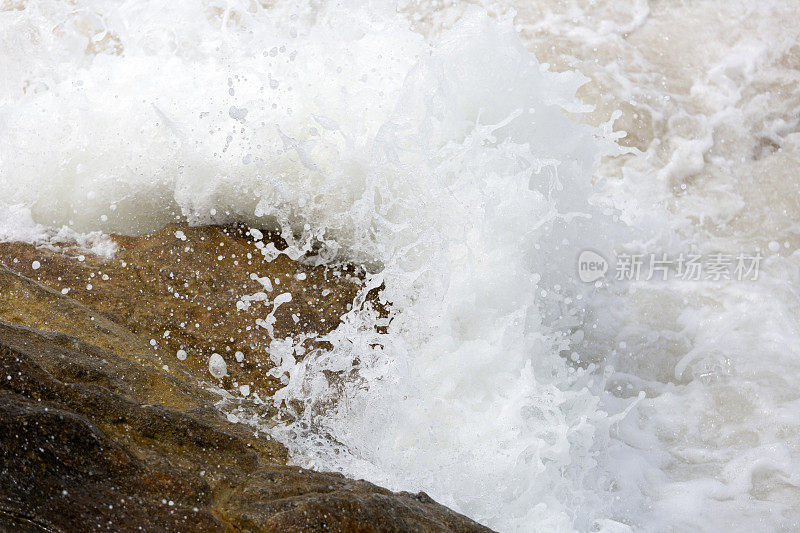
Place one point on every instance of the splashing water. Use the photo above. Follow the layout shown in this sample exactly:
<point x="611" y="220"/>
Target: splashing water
<point x="433" y="148"/>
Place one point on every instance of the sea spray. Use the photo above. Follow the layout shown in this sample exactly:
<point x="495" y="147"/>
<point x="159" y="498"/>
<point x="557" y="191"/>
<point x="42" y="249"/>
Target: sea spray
<point x="451" y="170"/>
<point x="477" y="206"/>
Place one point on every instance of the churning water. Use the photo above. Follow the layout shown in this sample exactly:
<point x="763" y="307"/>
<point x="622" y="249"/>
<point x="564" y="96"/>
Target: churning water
<point x="467" y="155"/>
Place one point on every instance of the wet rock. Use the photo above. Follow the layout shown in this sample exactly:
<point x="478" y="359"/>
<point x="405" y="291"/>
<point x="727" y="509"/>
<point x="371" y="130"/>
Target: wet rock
<point x="85" y="442"/>
<point x="292" y="499"/>
<point x="97" y="434"/>
<point x="82" y="446"/>
<point x="181" y="291"/>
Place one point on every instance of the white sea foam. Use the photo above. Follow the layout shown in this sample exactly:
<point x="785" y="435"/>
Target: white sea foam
<point x="441" y="155"/>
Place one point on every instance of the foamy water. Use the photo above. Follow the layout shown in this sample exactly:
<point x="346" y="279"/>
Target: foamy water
<point x="429" y="144"/>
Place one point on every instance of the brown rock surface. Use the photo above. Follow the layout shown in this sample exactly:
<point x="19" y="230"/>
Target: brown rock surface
<point x="181" y="293"/>
<point x="96" y="435"/>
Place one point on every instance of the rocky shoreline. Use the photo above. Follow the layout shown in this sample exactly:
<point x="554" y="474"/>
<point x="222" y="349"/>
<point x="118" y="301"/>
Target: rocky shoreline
<point x="108" y="420"/>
